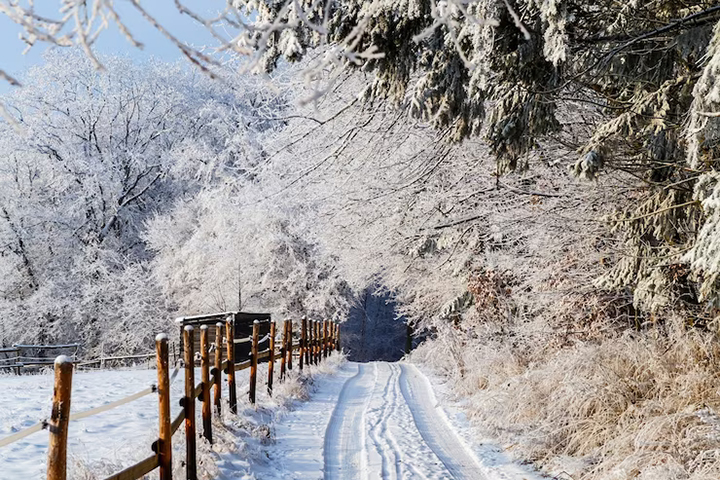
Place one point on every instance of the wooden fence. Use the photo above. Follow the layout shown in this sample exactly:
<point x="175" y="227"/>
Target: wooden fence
<point x="31" y="358"/>
<point x="315" y="341"/>
<point x="34" y="357"/>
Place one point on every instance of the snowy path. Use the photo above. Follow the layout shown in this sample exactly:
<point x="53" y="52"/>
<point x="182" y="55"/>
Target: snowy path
<point x="378" y="421"/>
<point x="344" y="445"/>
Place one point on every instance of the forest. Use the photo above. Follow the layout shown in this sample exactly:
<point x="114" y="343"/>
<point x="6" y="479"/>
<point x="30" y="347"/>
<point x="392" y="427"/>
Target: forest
<point x="532" y="185"/>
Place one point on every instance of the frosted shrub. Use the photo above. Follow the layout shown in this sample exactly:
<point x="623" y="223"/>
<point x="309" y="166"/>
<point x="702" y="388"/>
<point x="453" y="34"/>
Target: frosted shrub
<point x="641" y="406"/>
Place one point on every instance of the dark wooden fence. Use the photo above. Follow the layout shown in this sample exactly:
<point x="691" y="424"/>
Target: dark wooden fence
<point x="32" y="357"/>
<point x="308" y="341"/>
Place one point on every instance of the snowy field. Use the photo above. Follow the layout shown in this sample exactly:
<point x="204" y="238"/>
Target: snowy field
<point x="119" y="436"/>
<point x="112" y="440"/>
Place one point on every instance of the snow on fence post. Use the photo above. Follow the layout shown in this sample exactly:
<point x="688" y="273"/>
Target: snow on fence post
<point x="205" y="369"/>
<point x="254" y="360"/>
<point x="230" y="336"/>
<point x="290" y="345"/>
<point x="164" y="444"/>
<point x="303" y="340"/>
<point x="59" y="418"/>
<point x="283" y="350"/>
<point x="271" y="364"/>
<point x="217" y="371"/>
<point x="189" y="403"/>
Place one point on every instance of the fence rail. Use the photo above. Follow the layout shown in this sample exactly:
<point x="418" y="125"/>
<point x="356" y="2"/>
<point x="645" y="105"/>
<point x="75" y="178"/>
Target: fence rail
<point x="18" y="358"/>
<point x="315" y="341"/>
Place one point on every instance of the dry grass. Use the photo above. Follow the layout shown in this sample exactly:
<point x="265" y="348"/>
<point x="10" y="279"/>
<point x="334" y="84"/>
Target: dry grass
<point x="634" y="406"/>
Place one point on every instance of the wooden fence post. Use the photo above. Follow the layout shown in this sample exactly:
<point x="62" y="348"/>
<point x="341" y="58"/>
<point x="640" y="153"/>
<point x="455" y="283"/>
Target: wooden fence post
<point x="331" y="341"/>
<point x="164" y="445"/>
<point x="325" y="338"/>
<point x="283" y="350"/>
<point x="217" y="373"/>
<point x="303" y="340"/>
<point x="308" y="341"/>
<point x="311" y="343"/>
<point x="230" y="336"/>
<point x="290" y="345"/>
<point x="271" y="364"/>
<point x="337" y="338"/>
<point x="189" y="403"/>
<point x="317" y="342"/>
<point x="254" y="360"/>
<point x="205" y="369"/>
<point x="59" y="418"/>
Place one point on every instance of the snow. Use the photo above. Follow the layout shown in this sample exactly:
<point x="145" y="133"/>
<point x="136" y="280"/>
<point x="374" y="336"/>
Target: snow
<point x="380" y="421"/>
<point x="338" y="420"/>
<point x="121" y="436"/>
<point x="62" y="359"/>
<point x="495" y="461"/>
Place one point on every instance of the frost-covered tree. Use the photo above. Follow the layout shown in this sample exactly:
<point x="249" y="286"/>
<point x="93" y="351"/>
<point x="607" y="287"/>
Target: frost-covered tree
<point x="500" y="275"/>
<point x="510" y="70"/>
<point x="226" y="250"/>
<point x="504" y="70"/>
<point x="97" y="155"/>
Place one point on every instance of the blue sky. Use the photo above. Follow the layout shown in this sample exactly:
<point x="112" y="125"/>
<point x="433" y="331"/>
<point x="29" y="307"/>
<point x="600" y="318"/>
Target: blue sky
<point x="112" y="41"/>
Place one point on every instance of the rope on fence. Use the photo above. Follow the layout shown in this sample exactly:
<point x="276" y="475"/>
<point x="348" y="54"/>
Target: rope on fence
<point x="77" y="416"/>
<point x="22" y="434"/>
<point x="111" y="405"/>
<point x="178" y="365"/>
<point x="87" y="413"/>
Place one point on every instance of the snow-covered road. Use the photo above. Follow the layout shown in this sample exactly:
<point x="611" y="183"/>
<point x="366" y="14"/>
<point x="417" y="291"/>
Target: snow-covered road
<point x="378" y="421"/>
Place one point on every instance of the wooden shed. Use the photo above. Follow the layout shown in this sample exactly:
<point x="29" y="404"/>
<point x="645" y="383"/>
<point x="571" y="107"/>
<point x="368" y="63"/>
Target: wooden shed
<point x="242" y="325"/>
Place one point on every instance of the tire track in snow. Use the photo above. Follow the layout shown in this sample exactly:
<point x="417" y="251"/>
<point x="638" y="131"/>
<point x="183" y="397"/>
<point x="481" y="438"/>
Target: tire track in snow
<point x="345" y="451"/>
<point x="385" y="444"/>
<point x="434" y="427"/>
